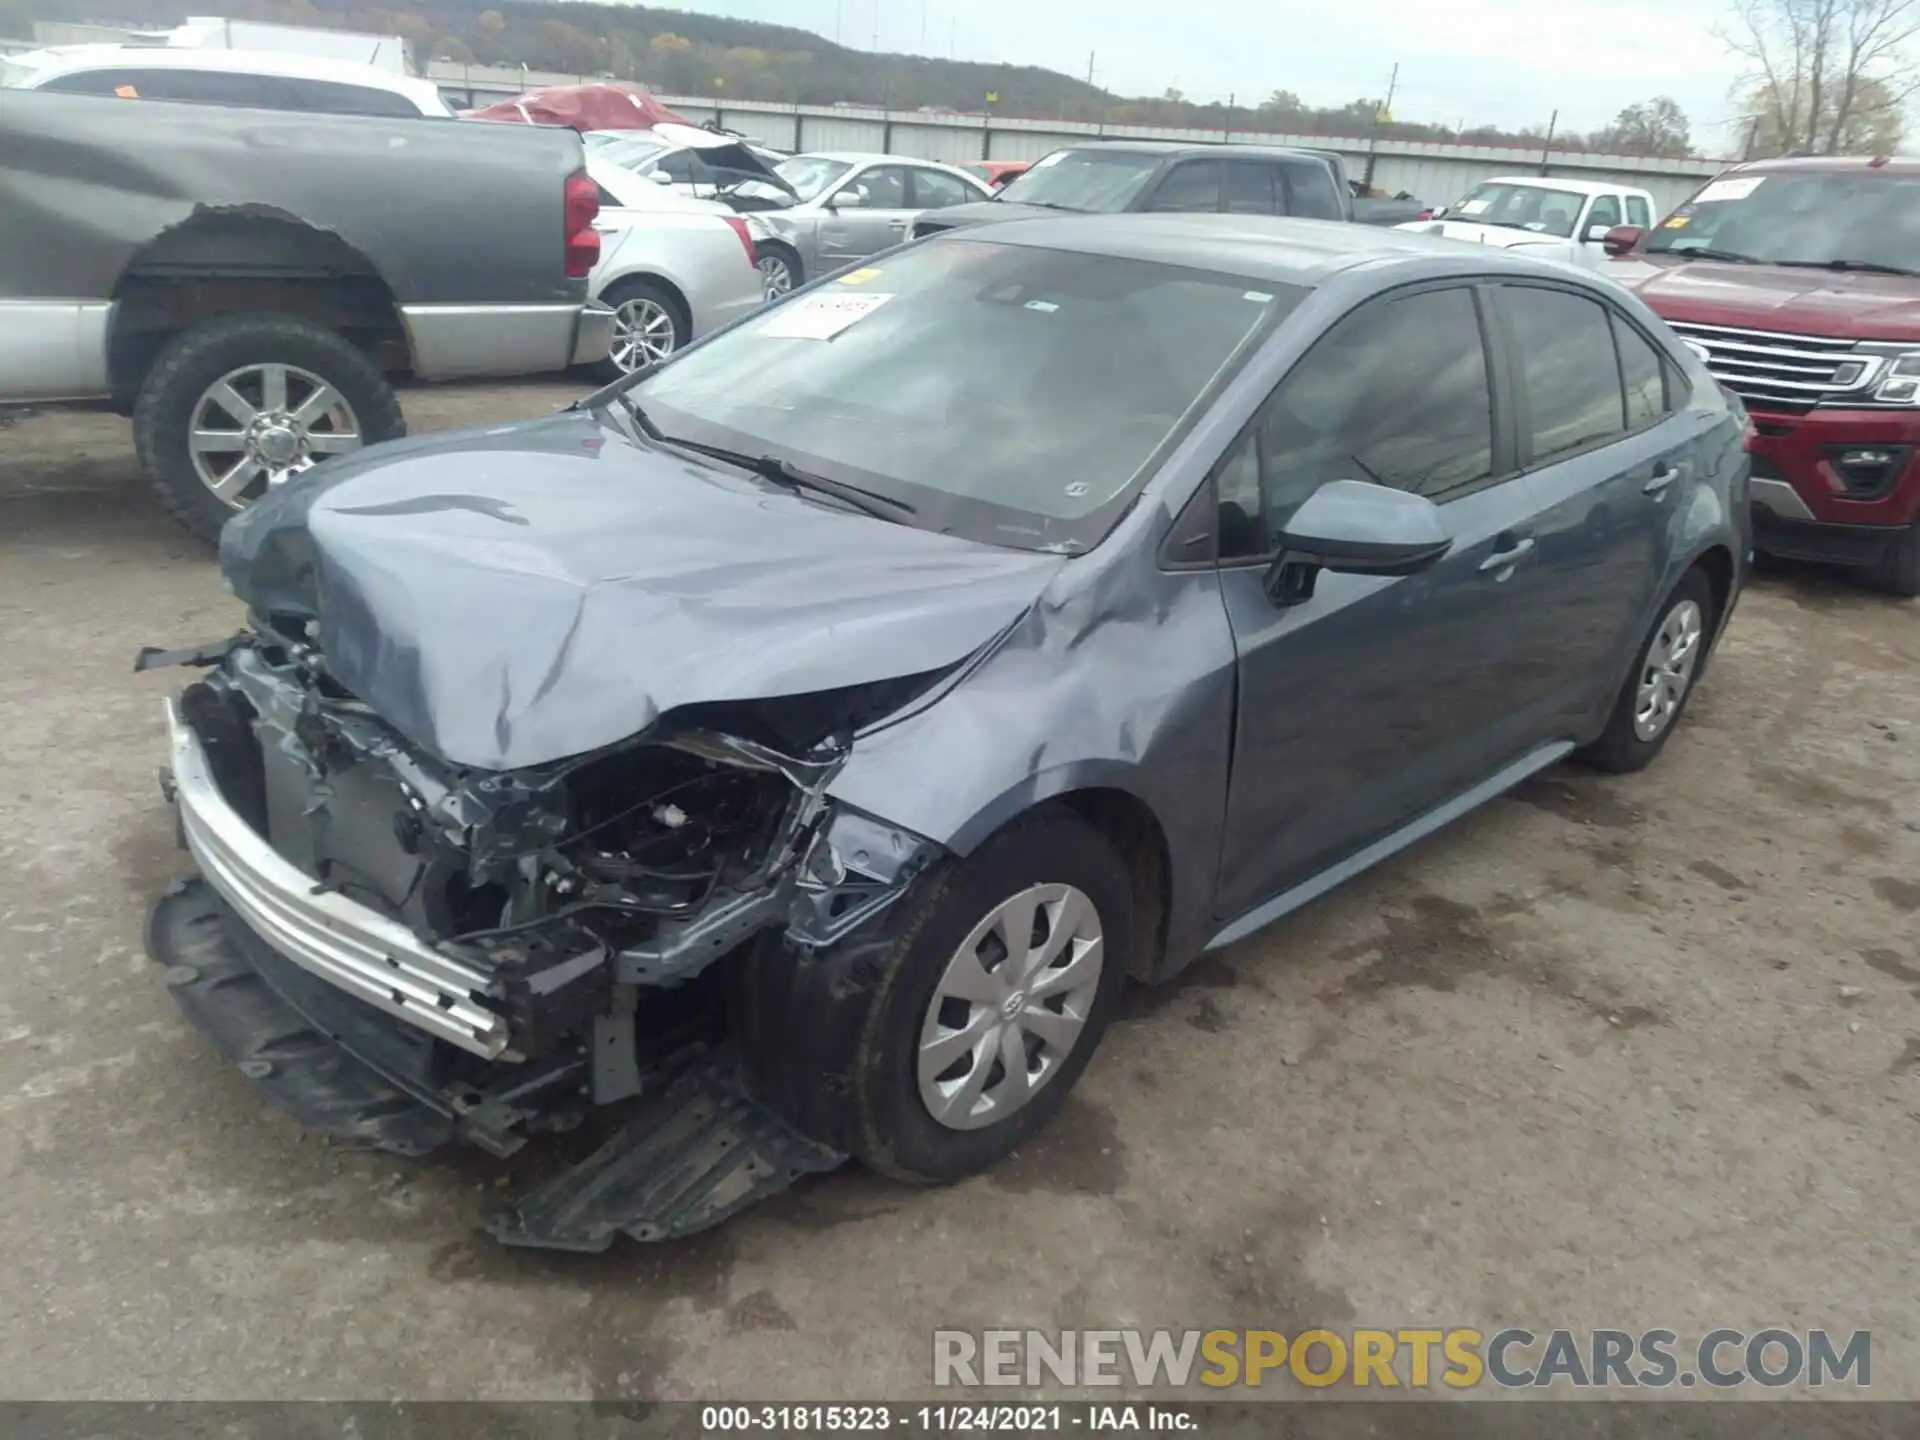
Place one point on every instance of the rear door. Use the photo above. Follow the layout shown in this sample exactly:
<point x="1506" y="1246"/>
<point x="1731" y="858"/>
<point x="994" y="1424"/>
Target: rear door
<point x="1600" y="438"/>
<point x="1188" y="187"/>
<point x="1377" y="699"/>
<point x="1254" y="187"/>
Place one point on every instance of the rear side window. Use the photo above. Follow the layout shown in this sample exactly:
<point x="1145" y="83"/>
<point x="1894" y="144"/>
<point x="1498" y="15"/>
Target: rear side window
<point x="1191" y="186"/>
<point x="1641" y="376"/>
<point x="935" y="191"/>
<point x="224" y="87"/>
<point x="1312" y="192"/>
<point x="1638" y="212"/>
<point x="1254" y="190"/>
<point x="1569" y="379"/>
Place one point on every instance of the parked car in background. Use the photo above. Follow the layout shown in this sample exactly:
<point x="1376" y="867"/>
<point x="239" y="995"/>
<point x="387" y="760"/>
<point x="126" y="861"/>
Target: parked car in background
<point x="242" y="282"/>
<point x="913" y="738"/>
<point x="1798" y="281"/>
<point x="995" y="173"/>
<point x="258" y="79"/>
<point x="1372" y="208"/>
<point x="849" y="205"/>
<point x="1565" y="220"/>
<point x="1111" y="177"/>
<point x="671" y="268"/>
<point x="686" y="158"/>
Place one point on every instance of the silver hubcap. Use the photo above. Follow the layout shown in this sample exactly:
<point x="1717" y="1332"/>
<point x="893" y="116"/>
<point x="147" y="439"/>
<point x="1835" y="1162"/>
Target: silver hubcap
<point x="1010" y="1006"/>
<point x="642" y="333"/>
<point x="255" y="426"/>
<point x="1668" y="671"/>
<point x="775" y="276"/>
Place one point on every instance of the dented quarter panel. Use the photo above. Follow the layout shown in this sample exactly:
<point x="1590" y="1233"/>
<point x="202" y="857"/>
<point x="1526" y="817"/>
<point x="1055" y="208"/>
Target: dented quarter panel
<point x="508" y="597"/>
<point x="86" y="182"/>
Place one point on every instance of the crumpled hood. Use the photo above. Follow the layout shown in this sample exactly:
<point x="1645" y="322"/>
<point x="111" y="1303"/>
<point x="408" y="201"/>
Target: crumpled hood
<point x="1791" y="298"/>
<point x="511" y="596"/>
<point x="1504" y="237"/>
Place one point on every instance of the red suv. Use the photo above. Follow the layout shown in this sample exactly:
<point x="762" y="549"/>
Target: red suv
<point x="1798" y="282"/>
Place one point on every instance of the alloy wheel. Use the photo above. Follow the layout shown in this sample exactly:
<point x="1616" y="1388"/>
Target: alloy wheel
<point x="776" y="276"/>
<point x="1668" y="671"/>
<point x="256" y="426"/>
<point x="1010" y="1006"/>
<point x="642" y="333"/>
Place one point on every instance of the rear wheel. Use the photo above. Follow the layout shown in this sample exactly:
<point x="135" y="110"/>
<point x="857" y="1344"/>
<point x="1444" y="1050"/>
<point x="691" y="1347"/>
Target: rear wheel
<point x="237" y="406"/>
<point x="936" y="1045"/>
<point x="649" y="324"/>
<point x="1898" y="572"/>
<point x="1658" y="687"/>
<point x="779" y="269"/>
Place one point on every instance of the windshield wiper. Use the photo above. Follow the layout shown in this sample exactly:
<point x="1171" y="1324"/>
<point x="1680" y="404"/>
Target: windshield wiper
<point x="1864" y="267"/>
<point x="1732" y="257"/>
<point x="777" y="468"/>
<point x="1044" y="205"/>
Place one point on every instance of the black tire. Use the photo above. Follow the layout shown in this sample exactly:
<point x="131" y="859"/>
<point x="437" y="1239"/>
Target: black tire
<point x="642" y="288"/>
<point x="197" y="357"/>
<point x="787" y="256"/>
<point x="1898" y="572"/>
<point x="830" y="1042"/>
<point x="1620" y="750"/>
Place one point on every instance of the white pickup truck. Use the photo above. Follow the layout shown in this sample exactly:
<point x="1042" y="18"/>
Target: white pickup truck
<point x="1556" y="219"/>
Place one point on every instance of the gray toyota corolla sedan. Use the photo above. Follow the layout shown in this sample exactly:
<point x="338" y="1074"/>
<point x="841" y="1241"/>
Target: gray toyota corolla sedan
<point x="788" y="754"/>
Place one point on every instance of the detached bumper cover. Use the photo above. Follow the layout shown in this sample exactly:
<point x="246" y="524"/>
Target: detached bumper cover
<point x="343" y="942"/>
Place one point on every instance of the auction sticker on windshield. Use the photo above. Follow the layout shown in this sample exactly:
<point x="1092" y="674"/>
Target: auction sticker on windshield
<point x="1730" y="189"/>
<point x="820" y="317"/>
<point x="861" y="276"/>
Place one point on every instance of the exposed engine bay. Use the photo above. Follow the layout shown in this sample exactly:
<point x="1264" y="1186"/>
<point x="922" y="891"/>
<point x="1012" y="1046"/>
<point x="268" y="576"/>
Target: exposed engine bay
<point x="502" y="946"/>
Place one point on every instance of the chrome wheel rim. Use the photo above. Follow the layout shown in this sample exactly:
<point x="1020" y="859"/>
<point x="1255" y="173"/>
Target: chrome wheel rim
<point x="642" y="333"/>
<point x="256" y="426"/>
<point x="1668" y="670"/>
<point x="775" y="276"/>
<point x="1010" y="1007"/>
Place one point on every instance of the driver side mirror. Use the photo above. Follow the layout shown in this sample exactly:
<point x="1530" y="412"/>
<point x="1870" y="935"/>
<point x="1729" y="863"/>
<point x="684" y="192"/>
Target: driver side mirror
<point x="849" y="198"/>
<point x="659" y="177"/>
<point x="1355" y="528"/>
<point x="1621" y="239"/>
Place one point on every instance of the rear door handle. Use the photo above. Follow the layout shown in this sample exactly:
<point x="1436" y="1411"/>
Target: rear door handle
<point x="1662" y="478"/>
<point x="1508" y="558"/>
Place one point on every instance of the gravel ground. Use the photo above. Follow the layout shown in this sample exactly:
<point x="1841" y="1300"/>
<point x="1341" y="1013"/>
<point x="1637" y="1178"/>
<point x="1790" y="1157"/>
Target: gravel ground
<point x="1639" y="1052"/>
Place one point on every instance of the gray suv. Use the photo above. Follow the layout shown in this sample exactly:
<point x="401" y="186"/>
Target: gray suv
<point x="1116" y="177"/>
<point x="769" y="743"/>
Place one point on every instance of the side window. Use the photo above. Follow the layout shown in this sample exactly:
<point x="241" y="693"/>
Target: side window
<point x="882" y="188"/>
<point x="1310" y="192"/>
<point x="933" y="190"/>
<point x="1640" y="375"/>
<point x="1253" y="189"/>
<point x="198" y="87"/>
<point x="325" y="97"/>
<point x="677" y="166"/>
<point x="1638" y="212"/>
<point x="1563" y="355"/>
<point x="1605" y="211"/>
<point x="98" y="82"/>
<point x="1397" y="393"/>
<point x="607" y="199"/>
<point x="1191" y="186"/>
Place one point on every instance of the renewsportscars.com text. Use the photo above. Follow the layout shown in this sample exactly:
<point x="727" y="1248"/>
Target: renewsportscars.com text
<point x="1412" y="1358"/>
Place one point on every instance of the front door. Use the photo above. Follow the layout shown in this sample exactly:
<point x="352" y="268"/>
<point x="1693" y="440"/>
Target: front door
<point x="868" y="213"/>
<point x="1376" y="699"/>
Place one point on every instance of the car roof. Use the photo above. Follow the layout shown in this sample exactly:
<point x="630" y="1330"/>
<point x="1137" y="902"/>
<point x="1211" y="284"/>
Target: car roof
<point x="1889" y="164"/>
<point x="1193" y="147"/>
<point x="870" y="157"/>
<point x="1257" y="247"/>
<point x="58" y="60"/>
<point x="1555" y="182"/>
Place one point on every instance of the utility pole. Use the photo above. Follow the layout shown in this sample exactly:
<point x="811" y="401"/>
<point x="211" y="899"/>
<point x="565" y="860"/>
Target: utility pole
<point x="1226" y="124"/>
<point x="876" y="26"/>
<point x="1373" y="130"/>
<point x="836" y="21"/>
<point x="1546" y="145"/>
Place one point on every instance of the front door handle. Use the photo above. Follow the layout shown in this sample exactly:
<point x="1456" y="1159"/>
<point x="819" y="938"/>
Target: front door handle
<point x="896" y="224"/>
<point x="1662" y="478"/>
<point x="1508" y="558"/>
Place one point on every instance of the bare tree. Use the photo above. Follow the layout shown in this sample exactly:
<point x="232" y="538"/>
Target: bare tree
<point x="1820" y="65"/>
<point x="1653" y="127"/>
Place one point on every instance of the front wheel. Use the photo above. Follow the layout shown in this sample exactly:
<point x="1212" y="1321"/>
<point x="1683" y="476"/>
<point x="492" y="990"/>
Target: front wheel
<point x="940" y="1042"/>
<point x="235" y="407"/>
<point x="1898" y="572"/>
<point x="1658" y="687"/>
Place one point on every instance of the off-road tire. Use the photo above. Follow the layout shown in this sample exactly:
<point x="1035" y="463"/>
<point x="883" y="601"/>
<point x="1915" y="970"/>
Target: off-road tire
<point x="200" y="355"/>
<point x="830" y="1041"/>
<point x="1898" y="572"/>
<point x="1619" y="750"/>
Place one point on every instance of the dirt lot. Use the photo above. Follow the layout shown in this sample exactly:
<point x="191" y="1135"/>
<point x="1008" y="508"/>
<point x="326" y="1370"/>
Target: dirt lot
<point x="1629" y="1053"/>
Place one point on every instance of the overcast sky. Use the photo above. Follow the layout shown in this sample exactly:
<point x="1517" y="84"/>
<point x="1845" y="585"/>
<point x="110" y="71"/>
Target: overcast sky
<point x="1504" y="62"/>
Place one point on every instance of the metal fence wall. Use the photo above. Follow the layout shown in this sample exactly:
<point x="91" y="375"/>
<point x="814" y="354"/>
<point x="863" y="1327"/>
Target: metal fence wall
<point x="1435" y="173"/>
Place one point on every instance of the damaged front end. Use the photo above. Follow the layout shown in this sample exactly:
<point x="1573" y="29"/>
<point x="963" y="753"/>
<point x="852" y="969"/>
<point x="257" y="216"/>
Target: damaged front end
<point x="403" y="951"/>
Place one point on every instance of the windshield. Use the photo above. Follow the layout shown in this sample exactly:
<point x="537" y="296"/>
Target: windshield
<point x="1521" y="207"/>
<point x="1100" y="182"/>
<point x="810" y="174"/>
<point x="632" y="152"/>
<point x="1861" y="218"/>
<point x="1011" y="394"/>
